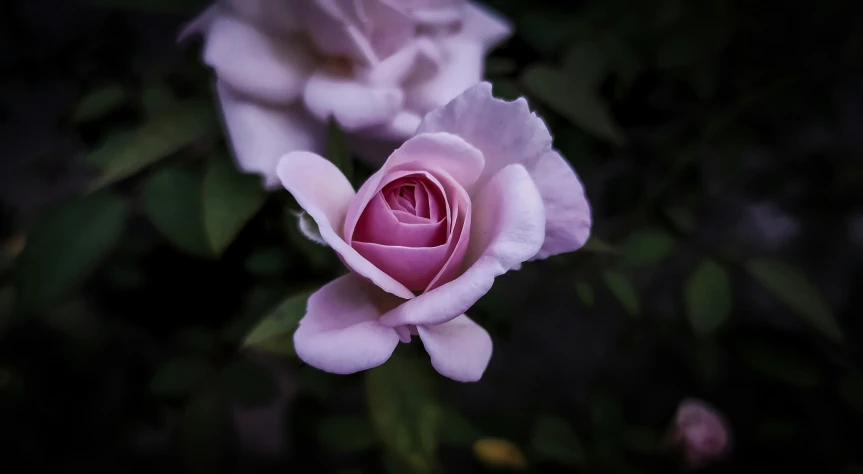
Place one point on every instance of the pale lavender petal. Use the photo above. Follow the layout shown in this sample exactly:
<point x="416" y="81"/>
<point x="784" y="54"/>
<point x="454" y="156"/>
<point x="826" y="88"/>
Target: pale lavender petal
<point x="261" y="135"/>
<point x="279" y="18"/>
<point x="508" y="228"/>
<point x="325" y="194"/>
<point x="446" y="151"/>
<point x="340" y="332"/>
<point x="353" y="105"/>
<point x="332" y="27"/>
<point x="461" y="69"/>
<point x="259" y="66"/>
<point x="505" y="132"/>
<point x="485" y="26"/>
<point x="567" y="212"/>
<point x="459" y="349"/>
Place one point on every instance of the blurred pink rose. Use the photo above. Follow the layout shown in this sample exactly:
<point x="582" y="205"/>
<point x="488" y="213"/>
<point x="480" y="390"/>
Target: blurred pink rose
<point x="700" y="432"/>
<point x="476" y="192"/>
<point x="284" y="68"/>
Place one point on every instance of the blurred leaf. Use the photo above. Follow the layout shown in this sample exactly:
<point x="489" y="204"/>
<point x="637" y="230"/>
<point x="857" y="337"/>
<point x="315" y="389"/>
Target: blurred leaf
<point x="275" y="333"/>
<point x="793" y="288"/>
<point x="181" y="377"/>
<point x="153" y="6"/>
<point x="606" y="416"/>
<point x="646" y="247"/>
<point x="78" y="321"/>
<point x="266" y="262"/>
<point x="317" y="383"/>
<point x="623" y="290"/>
<point x="249" y="383"/>
<point x="231" y="198"/>
<point x="595" y="244"/>
<point x="569" y="97"/>
<point x="347" y="434"/>
<point x="706" y="360"/>
<point x="456" y="430"/>
<point x="206" y="433"/>
<point x="780" y="362"/>
<point x="198" y="339"/>
<point x="337" y="150"/>
<point x="584" y="290"/>
<point x="707" y="295"/>
<point x="500" y="453"/>
<point x="555" y="440"/>
<point x="506" y="89"/>
<point x="850" y="388"/>
<point x="641" y="439"/>
<point x="404" y="412"/>
<point x="157" y="96"/>
<point x="7" y="306"/>
<point x="500" y="66"/>
<point x="321" y="259"/>
<point x="99" y="102"/>
<point x="547" y="30"/>
<point x="681" y="218"/>
<point x="585" y="62"/>
<point x="172" y="201"/>
<point x="124" y="154"/>
<point x="66" y="246"/>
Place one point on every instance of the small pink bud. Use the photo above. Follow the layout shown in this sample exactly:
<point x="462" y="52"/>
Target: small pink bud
<point x="700" y="432"/>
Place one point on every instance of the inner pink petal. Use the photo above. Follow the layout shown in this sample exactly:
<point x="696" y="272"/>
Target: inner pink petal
<point x="408" y="218"/>
<point x="379" y="224"/>
<point x="412" y="267"/>
<point x="421" y="199"/>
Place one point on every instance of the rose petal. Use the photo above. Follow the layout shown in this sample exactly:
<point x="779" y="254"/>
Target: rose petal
<point x="276" y="17"/>
<point x="325" y="194"/>
<point x="340" y="332"/>
<point x="413" y="267"/>
<point x="443" y="150"/>
<point x="463" y="68"/>
<point x="567" y="213"/>
<point x="259" y="66"/>
<point x="352" y="104"/>
<point x="482" y="24"/>
<point x="379" y="226"/>
<point x="459" y="349"/>
<point x="505" y="132"/>
<point x="509" y="230"/>
<point x="333" y="30"/>
<point x="261" y="135"/>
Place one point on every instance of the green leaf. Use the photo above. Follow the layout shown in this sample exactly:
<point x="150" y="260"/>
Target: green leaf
<point x="707" y="296"/>
<point x="206" y="433"/>
<point x="640" y="439"/>
<point x="126" y="153"/>
<point x="584" y="290"/>
<point x="555" y="440"/>
<point x="99" y="102"/>
<point x="197" y="339"/>
<point x="266" y="262"/>
<point x="172" y="200"/>
<point x="249" y="383"/>
<point x="456" y="430"/>
<point x="66" y="246"/>
<point x="781" y="363"/>
<point x="573" y="100"/>
<point x="606" y="416"/>
<point x="181" y="377"/>
<point x="793" y="288"/>
<point x="275" y="333"/>
<point x="347" y="434"/>
<point x="548" y="30"/>
<point x="586" y="63"/>
<point x="647" y="247"/>
<point x="597" y="245"/>
<point x="506" y="89"/>
<point x="850" y="388"/>
<point x="231" y="198"/>
<point x="499" y="66"/>
<point x="404" y="412"/>
<point x="337" y="150"/>
<point x="681" y="218"/>
<point x="623" y="290"/>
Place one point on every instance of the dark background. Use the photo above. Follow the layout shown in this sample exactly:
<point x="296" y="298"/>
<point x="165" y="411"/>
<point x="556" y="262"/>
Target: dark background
<point x="722" y="132"/>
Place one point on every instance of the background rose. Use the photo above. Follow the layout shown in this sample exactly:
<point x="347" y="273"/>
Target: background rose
<point x="476" y="192"/>
<point x="375" y="66"/>
<point x="700" y="432"/>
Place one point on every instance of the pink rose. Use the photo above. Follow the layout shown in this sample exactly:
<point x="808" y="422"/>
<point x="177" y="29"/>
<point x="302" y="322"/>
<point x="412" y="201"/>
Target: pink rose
<point x="477" y="191"/>
<point x="286" y="67"/>
<point x="700" y="432"/>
